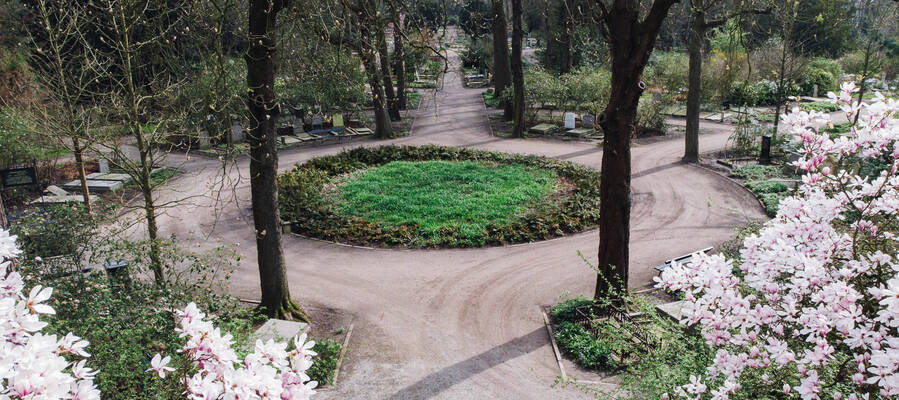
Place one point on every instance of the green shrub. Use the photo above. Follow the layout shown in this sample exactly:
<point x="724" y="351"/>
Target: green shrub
<point x="586" y="350"/>
<point x="819" y="106"/>
<point x="760" y="187"/>
<point x="772" y="202"/>
<point x="755" y="172"/>
<point x="566" y="310"/>
<point x="325" y="363"/>
<point x="303" y="203"/>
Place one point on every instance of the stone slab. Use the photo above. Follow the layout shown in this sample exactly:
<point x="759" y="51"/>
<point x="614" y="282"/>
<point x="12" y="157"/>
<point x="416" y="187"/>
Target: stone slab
<point x="672" y="310"/>
<point x="62" y="199"/>
<point x="96" y="185"/>
<point x="582" y="131"/>
<point x="279" y="330"/>
<point x="543" y="128"/>
<point x="98" y="176"/>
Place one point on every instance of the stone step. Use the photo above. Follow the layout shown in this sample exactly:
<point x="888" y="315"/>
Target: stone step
<point x="279" y="330"/>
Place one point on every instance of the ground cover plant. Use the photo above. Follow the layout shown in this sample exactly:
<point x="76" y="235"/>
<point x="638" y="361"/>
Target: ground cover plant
<point x="766" y="182"/>
<point x="433" y="196"/>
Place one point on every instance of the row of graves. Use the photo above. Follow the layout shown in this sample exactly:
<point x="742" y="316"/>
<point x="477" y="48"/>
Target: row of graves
<point x="581" y="126"/>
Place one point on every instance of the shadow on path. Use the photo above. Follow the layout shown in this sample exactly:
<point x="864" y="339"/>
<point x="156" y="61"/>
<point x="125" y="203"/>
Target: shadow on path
<point x="445" y="378"/>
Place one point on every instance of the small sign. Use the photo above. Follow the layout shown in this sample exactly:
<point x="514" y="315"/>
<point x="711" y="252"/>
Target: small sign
<point x="14" y="177"/>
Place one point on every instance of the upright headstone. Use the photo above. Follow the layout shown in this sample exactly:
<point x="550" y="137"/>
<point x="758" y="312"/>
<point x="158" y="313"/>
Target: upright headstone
<point x="104" y="165"/>
<point x="237" y="133"/>
<point x="204" y="140"/>
<point x="815" y="90"/>
<point x="317" y="122"/>
<point x="765" y="155"/>
<point x="588" y="121"/>
<point x="337" y="120"/>
<point x="569" y="120"/>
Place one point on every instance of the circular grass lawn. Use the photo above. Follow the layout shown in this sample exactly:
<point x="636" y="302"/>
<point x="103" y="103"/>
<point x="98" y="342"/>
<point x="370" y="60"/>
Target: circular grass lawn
<point x="433" y="196"/>
<point x="466" y="196"/>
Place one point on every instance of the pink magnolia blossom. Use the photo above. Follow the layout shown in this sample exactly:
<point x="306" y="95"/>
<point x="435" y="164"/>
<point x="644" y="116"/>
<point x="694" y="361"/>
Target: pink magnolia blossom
<point x="34" y="365"/>
<point x="818" y="287"/>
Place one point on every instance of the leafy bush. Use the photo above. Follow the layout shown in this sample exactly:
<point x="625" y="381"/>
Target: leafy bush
<point x="755" y="172"/>
<point x="822" y="72"/>
<point x="650" y="117"/>
<point x="566" y="310"/>
<point x="303" y="203"/>
<point x="767" y="186"/>
<point x="669" y="72"/>
<point x="325" y="365"/>
<point x="586" y="350"/>
<point x="820" y="106"/>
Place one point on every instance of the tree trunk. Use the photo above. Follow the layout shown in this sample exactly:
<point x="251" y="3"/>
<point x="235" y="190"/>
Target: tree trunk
<point x="82" y="176"/>
<point x="383" y="127"/>
<point x="517" y="72"/>
<point x="567" y="61"/>
<point x="501" y="69"/>
<point x="392" y="109"/>
<point x="399" y="64"/>
<point x="630" y="43"/>
<point x="694" y="88"/>
<point x="146" y="188"/>
<point x="4" y="222"/>
<point x="263" y="108"/>
<point x="547" y="33"/>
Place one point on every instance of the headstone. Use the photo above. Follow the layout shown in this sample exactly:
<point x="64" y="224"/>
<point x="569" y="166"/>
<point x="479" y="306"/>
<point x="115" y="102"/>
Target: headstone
<point x="815" y="90"/>
<point x="57" y="191"/>
<point x="588" y="121"/>
<point x="338" y="120"/>
<point x="543" y="129"/>
<point x="317" y="122"/>
<point x="204" y="140"/>
<point x="237" y="133"/>
<point x="569" y="120"/>
<point x="99" y="176"/>
<point x="104" y="165"/>
<point x="298" y="127"/>
<point x="95" y="185"/>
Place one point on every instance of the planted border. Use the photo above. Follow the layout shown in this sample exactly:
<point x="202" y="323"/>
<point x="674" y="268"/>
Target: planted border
<point x="304" y="206"/>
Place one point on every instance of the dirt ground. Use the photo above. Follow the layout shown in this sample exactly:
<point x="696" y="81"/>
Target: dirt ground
<point x="461" y="323"/>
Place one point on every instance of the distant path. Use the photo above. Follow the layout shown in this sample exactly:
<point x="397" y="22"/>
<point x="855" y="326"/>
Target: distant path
<point x="464" y="324"/>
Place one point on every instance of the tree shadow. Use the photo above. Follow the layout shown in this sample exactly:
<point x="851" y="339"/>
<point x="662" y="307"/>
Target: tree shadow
<point x="449" y="376"/>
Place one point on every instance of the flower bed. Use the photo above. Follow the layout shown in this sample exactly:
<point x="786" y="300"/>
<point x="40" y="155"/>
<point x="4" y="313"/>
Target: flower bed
<point x="540" y="198"/>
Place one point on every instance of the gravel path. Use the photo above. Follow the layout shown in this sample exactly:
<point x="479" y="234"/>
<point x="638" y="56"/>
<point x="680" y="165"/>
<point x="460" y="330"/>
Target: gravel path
<point x="460" y="324"/>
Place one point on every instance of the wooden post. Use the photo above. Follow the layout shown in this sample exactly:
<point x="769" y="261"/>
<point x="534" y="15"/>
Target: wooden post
<point x="765" y="155"/>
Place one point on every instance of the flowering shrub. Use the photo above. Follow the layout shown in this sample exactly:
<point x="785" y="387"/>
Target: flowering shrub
<point x="34" y="365"/>
<point x="270" y="372"/>
<point x="813" y="310"/>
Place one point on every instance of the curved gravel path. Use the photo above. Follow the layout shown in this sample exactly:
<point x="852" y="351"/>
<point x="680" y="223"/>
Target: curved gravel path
<point x="461" y="324"/>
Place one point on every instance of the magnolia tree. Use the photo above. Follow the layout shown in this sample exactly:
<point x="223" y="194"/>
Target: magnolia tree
<point x="813" y="309"/>
<point x="34" y="365"/>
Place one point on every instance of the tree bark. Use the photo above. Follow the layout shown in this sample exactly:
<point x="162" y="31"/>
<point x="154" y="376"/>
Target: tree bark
<point x="392" y="109"/>
<point x="694" y="87"/>
<point x="502" y="72"/>
<point x="263" y="108"/>
<point x="4" y="222"/>
<point x="547" y="33"/>
<point x="399" y="63"/>
<point x="863" y="85"/>
<point x="517" y="72"/>
<point x="383" y="127"/>
<point x="82" y="176"/>
<point x="630" y="44"/>
<point x="567" y="60"/>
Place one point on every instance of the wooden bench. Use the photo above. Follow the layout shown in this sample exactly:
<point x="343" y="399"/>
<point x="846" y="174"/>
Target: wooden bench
<point x="684" y="259"/>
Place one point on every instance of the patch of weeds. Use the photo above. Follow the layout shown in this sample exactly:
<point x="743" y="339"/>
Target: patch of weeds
<point x="819" y="106"/>
<point x="324" y="365"/>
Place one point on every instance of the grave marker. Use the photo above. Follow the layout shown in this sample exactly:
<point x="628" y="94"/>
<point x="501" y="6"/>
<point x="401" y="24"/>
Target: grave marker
<point x="569" y="120"/>
<point x="588" y="121"/>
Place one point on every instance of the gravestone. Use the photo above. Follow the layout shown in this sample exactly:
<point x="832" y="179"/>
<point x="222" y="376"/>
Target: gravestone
<point x="338" y="120"/>
<point x="104" y="165"/>
<point x="204" y="140"/>
<point x="815" y="91"/>
<point x="317" y="122"/>
<point x="237" y="133"/>
<point x="588" y="121"/>
<point x="569" y="120"/>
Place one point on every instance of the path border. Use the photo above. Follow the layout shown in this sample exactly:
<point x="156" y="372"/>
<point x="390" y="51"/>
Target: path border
<point x="552" y="339"/>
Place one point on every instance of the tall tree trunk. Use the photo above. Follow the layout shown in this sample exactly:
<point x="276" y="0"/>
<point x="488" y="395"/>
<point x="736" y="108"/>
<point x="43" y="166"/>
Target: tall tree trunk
<point x="4" y="222"/>
<point x="263" y="108"/>
<point x="547" y="33"/>
<point x="399" y="62"/>
<point x="146" y="187"/>
<point x="78" y="151"/>
<point x="567" y="61"/>
<point x="392" y="109"/>
<point x="517" y="72"/>
<point x="630" y="43"/>
<point x="383" y="127"/>
<point x="502" y="72"/>
<point x="694" y="87"/>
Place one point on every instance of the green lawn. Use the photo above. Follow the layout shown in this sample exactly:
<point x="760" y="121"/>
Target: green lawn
<point x="436" y="195"/>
